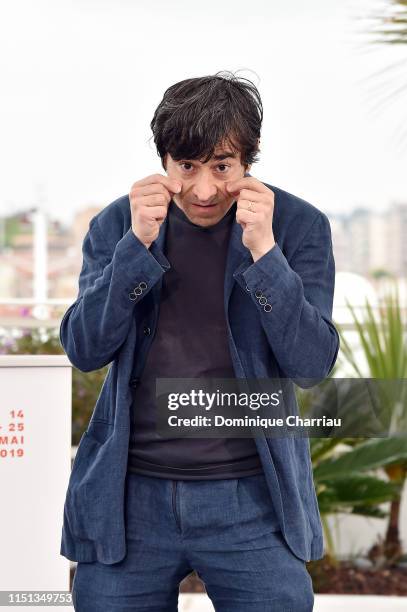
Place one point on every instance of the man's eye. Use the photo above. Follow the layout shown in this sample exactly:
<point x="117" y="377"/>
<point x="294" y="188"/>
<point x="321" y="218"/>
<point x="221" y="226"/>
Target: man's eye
<point x="187" y="166"/>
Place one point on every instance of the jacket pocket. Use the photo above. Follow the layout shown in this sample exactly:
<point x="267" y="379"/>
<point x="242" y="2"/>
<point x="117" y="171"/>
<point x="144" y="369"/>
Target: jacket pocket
<point x="76" y="504"/>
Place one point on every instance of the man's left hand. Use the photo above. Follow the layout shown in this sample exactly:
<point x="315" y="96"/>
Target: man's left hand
<point x="255" y="218"/>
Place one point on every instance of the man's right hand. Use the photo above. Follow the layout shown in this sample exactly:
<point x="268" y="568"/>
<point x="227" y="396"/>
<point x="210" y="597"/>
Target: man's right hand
<point x="149" y="200"/>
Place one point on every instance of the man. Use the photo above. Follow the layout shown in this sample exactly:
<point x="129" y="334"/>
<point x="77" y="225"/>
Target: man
<point x="203" y="272"/>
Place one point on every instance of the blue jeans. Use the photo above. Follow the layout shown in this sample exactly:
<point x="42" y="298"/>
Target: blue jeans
<point x="226" y="530"/>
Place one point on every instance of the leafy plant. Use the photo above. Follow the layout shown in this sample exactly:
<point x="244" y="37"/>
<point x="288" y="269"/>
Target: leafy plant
<point x="384" y="347"/>
<point x="388" y="28"/>
<point x="346" y="479"/>
<point x="392" y="26"/>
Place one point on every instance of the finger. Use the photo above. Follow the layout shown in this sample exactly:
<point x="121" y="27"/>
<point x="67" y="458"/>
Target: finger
<point x="244" y="205"/>
<point x="173" y="185"/>
<point x="248" y="182"/>
<point x="248" y="195"/>
<point x="150" y="201"/>
<point x="245" y="216"/>
<point x="154" y="213"/>
<point x="152" y="189"/>
<point x="152" y="197"/>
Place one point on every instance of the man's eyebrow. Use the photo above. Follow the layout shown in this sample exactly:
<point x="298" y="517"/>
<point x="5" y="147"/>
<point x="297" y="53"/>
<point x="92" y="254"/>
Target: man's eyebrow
<point x="221" y="155"/>
<point x="224" y="155"/>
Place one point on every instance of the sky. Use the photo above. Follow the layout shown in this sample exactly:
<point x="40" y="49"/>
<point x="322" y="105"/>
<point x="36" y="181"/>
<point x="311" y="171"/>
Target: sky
<point x="80" y="81"/>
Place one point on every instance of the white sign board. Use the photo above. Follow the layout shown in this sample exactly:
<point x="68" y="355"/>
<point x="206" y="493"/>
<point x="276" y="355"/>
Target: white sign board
<point x="35" y="464"/>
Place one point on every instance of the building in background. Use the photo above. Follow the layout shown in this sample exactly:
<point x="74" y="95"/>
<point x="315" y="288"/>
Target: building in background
<point x="367" y="243"/>
<point x="64" y="255"/>
<point x="371" y="244"/>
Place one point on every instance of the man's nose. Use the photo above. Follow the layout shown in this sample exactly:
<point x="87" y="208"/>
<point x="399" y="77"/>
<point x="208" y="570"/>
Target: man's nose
<point x="204" y="189"/>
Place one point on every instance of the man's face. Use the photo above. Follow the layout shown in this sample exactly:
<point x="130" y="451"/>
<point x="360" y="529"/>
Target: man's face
<point x="203" y="197"/>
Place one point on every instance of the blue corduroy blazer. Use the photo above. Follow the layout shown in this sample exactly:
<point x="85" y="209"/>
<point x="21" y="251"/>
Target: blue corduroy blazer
<point x="294" y="339"/>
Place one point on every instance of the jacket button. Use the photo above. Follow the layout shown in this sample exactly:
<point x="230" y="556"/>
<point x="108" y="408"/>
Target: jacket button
<point x="267" y="307"/>
<point x="147" y="331"/>
<point x="134" y="382"/>
<point x="262" y="301"/>
<point x="258" y="293"/>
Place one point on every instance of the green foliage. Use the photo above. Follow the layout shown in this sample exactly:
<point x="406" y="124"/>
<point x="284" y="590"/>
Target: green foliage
<point x="355" y="493"/>
<point x="14" y="226"/>
<point x="356" y="475"/>
<point x="382" y="339"/>
<point x="347" y="476"/>
<point x="367" y="455"/>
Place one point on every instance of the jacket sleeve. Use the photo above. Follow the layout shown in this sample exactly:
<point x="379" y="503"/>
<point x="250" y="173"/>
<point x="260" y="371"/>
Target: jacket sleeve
<point x="111" y="284"/>
<point x="299" y="324"/>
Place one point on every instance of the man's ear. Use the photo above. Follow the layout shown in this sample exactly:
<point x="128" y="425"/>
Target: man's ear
<point x="246" y="172"/>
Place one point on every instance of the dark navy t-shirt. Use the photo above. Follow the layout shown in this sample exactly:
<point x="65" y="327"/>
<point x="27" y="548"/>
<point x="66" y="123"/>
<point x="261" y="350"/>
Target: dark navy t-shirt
<point x="190" y="342"/>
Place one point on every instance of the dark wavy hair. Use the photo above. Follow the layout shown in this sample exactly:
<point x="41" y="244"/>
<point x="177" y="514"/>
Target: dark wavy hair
<point x="197" y="114"/>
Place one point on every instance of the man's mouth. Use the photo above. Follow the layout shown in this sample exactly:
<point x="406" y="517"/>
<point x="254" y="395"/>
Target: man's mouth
<point x="203" y="206"/>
